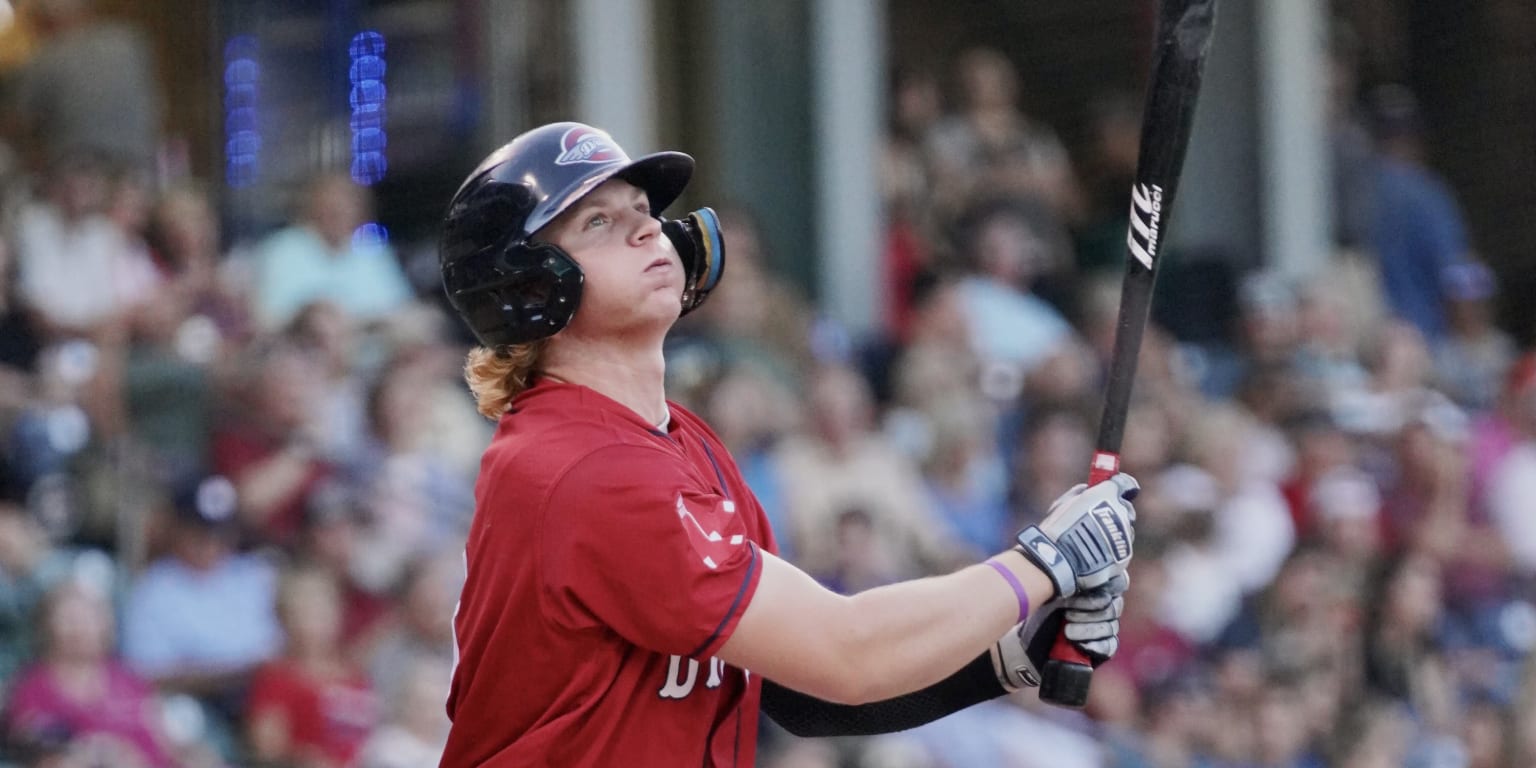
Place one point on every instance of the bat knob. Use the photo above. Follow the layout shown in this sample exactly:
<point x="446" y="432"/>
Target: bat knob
<point x="1065" y="683"/>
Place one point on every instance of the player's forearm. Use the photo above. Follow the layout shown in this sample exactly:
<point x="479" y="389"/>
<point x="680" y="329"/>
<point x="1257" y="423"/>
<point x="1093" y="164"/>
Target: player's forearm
<point x="808" y="716"/>
<point x="906" y="636"/>
<point x="880" y="643"/>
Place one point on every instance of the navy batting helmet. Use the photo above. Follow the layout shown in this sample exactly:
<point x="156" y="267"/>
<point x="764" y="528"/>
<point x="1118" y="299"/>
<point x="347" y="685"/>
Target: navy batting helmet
<point x="510" y="289"/>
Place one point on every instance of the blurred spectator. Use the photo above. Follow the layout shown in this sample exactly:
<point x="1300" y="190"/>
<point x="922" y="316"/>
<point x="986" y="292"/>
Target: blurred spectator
<point x="330" y="540"/>
<point x="200" y="618"/>
<point x="89" y="88"/>
<point x="916" y="106"/>
<point x="1250" y="535"/>
<point x="755" y="319"/>
<point x="340" y="410"/>
<point x="1344" y="507"/>
<point x="416" y="730"/>
<point x="69" y="233"/>
<point x="1418" y="231"/>
<point x="1377" y="734"/>
<point x="1472" y="358"/>
<point x="1197" y="603"/>
<point x="30" y="566"/>
<point x="417" y="503"/>
<point x="1067" y="378"/>
<point x="1398" y="364"/>
<point x="185" y="240"/>
<point x="422" y="627"/>
<point x="1267" y="335"/>
<point x="1426" y="506"/>
<point x="1512" y="475"/>
<point x="1303" y="624"/>
<point x="966" y="478"/>
<point x="452" y="429"/>
<point x="323" y="256"/>
<point x="1010" y="243"/>
<point x="842" y="463"/>
<point x="992" y="148"/>
<point x="1332" y="328"/>
<point x="860" y="559"/>
<point x="1281" y="736"/>
<point x="269" y="442"/>
<point x="938" y="361"/>
<point x="78" y="694"/>
<point x="1403" y="659"/>
<point x="310" y="707"/>
<point x="1055" y="455"/>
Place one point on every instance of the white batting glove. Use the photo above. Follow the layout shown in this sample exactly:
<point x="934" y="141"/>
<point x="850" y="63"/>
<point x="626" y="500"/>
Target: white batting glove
<point x="1085" y="539"/>
<point x="1090" y="620"/>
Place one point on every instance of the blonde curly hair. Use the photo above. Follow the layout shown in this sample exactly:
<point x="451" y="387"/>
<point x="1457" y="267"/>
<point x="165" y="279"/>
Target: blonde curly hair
<point x="496" y="376"/>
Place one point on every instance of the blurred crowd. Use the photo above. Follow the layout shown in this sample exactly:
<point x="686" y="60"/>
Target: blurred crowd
<point x="1334" y="551"/>
<point x="235" y="478"/>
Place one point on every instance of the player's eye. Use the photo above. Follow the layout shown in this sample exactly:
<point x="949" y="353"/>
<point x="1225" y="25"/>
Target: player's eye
<point x="596" y="220"/>
<point x="644" y="206"/>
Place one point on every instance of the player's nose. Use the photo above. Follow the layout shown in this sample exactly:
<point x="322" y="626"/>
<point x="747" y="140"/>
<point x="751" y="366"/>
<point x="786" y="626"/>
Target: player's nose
<point x="647" y="229"/>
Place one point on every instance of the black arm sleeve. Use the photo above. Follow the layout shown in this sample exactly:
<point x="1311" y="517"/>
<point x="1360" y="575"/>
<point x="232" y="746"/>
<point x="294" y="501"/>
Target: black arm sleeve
<point x="805" y="715"/>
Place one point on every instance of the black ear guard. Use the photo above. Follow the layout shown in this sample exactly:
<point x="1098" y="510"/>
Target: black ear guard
<point x="698" y="241"/>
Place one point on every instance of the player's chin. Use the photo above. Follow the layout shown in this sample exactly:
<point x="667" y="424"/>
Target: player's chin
<point x="663" y="303"/>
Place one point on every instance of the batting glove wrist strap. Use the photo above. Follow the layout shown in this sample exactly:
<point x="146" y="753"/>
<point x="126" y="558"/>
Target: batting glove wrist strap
<point x="1048" y="557"/>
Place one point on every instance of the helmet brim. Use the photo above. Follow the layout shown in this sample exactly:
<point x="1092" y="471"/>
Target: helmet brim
<point x="662" y="176"/>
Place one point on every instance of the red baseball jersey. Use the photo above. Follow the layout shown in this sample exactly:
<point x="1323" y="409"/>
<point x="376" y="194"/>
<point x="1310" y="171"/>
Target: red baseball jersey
<point x="608" y="561"/>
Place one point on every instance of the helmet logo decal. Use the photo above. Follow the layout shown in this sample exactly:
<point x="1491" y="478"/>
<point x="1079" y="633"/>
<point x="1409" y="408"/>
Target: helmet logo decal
<point x="587" y="145"/>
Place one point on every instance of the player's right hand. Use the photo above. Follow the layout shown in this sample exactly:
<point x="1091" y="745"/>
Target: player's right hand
<point x="1085" y="539"/>
<point x="1090" y="619"/>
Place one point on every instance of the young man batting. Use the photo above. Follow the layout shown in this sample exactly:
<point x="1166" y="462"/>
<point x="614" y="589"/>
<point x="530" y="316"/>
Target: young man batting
<point x="624" y="605"/>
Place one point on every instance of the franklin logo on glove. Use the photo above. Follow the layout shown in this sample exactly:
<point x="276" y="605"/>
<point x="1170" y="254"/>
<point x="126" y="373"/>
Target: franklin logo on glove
<point x="1112" y="528"/>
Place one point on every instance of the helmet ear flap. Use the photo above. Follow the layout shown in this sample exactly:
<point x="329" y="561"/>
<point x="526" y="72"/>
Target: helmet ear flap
<point x="699" y="241"/>
<point x="516" y="294"/>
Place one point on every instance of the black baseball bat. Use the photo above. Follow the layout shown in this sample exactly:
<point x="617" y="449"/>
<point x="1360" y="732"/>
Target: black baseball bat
<point x="1178" y="61"/>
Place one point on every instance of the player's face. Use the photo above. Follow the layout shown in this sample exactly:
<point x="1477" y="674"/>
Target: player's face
<point x="634" y="277"/>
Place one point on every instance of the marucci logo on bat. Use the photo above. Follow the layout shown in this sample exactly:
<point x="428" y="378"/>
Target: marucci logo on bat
<point x="1146" y="220"/>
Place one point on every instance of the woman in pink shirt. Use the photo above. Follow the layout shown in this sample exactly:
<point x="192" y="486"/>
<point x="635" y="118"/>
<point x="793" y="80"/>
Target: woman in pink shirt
<point x="78" y="694"/>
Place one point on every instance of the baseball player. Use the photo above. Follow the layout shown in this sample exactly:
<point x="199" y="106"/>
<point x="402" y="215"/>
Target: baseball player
<point x="623" y="604"/>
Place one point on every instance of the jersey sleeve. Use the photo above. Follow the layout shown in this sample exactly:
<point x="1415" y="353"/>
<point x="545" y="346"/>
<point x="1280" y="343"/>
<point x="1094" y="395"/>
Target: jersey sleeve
<point x="632" y="542"/>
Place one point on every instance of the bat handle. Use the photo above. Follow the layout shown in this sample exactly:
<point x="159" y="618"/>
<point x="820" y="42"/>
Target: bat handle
<point x="1068" y="673"/>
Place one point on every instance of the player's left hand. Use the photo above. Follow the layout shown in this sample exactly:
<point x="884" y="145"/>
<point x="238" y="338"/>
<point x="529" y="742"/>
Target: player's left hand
<point x="1089" y="619"/>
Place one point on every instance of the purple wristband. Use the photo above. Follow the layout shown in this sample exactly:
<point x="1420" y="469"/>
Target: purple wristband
<point x="1018" y="589"/>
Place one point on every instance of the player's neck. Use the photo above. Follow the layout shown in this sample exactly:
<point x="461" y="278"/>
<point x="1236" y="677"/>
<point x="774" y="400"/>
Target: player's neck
<point x="634" y="376"/>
